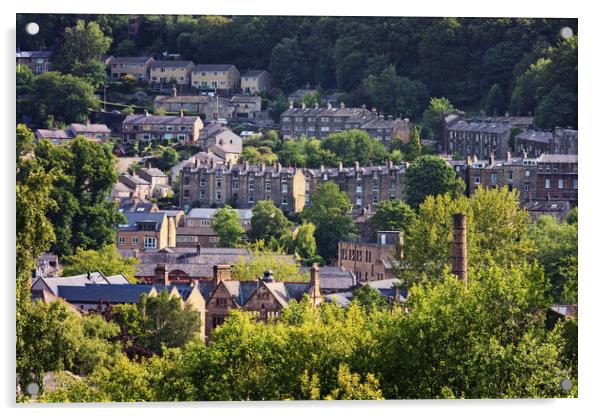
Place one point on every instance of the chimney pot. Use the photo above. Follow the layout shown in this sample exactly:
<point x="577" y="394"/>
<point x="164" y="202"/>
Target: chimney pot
<point x="161" y="275"/>
<point x="221" y="272"/>
<point x="459" y="248"/>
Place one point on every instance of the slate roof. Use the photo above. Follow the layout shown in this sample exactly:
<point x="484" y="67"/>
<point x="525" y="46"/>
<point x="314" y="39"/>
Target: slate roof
<point x="334" y="278"/>
<point x="350" y="171"/>
<point x="34" y="54"/>
<point x="241" y="291"/>
<point x="97" y="278"/>
<point x="387" y="287"/>
<point x="484" y="127"/>
<point x="170" y="64"/>
<point x="548" y="158"/>
<point x="130" y="60"/>
<point x="103" y="293"/>
<point x="547" y="206"/>
<point x="134" y="205"/>
<point x="136" y="217"/>
<point x="117" y="279"/>
<point x="212" y="67"/>
<point x="193" y="99"/>
<point x="157" y="120"/>
<point x="89" y="128"/>
<point x="208" y="213"/>
<point x="154" y="172"/>
<point x="52" y="134"/>
<point x="246" y="99"/>
<point x="253" y="73"/>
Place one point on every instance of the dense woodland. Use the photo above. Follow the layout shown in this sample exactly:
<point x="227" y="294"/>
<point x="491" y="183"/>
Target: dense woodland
<point x="522" y="66"/>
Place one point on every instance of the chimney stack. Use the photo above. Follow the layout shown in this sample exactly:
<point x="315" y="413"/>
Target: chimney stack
<point x="459" y="248"/>
<point x="290" y="104"/>
<point x="329" y="106"/>
<point x="181" y="113"/>
<point x="303" y="106"/>
<point x="340" y="166"/>
<point x="314" y="285"/>
<point x="357" y="165"/>
<point x="174" y="91"/>
<point x="145" y="112"/>
<point x="268" y="276"/>
<point x="491" y="158"/>
<point x="161" y="275"/>
<point x="316" y="105"/>
<point x="342" y="104"/>
<point x="221" y="272"/>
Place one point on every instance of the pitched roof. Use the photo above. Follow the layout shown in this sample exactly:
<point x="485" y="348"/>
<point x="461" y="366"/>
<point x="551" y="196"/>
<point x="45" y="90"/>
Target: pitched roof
<point x="213" y="67"/>
<point x="130" y="60"/>
<point x="334" y="278"/>
<point x="484" y="126"/>
<point x="103" y="293"/>
<point x="34" y="54"/>
<point x="170" y="64"/>
<point x="246" y="99"/>
<point x="52" y="134"/>
<point x="133" y="218"/>
<point x="549" y="158"/>
<point x="241" y="291"/>
<point x="252" y="73"/>
<point x="118" y="279"/>
<point x="89" y="128"/>
<point x="154" y="172"/>
<point x="194" y="99"/>
<point x="52" y="283"/>
<point x="208" y="213"/>
<point x="157" y="120"/>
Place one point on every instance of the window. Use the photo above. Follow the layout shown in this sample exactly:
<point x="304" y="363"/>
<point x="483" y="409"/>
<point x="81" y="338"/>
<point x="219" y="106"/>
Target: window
<point x="135" y="241"/>
<point x="234" y="183"/>
<point x="150" y="242"/>
<point x="186" y="180"/>
<point x="202" y="195"/>
<point x="493" y="178"/>
<point x="547" y="183"/>
<point x="574" y="183"/>
<point x="121" y="240"/>
<point x="186" y="193"/>
<point x="218" y="183"/>
<point x="527" y="187"/>
<point x="510" y="175"/>
<point x="358" y="201"/>
<point x="217" y="320"/>
<point x="284" y="200"/>
<point x="218" y="196"/>
<point x="221" y="303"/>
<point x="268" y="186"/>
<point x="251" y="198"/>
<point x="560" y="183"/>
<point x="214" y="239"/>
<point x="477" y="180"/>
<point x="324" y="128"/>
<point x="527" y="174"/>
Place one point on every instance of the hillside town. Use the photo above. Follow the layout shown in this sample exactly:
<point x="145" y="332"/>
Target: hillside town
<point x="176" y="196"/>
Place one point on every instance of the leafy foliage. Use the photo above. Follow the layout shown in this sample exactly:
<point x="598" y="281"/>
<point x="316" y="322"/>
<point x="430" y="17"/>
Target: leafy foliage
<point x="226" y="224"/>
<point x="106" y="260"/>
<point x="328" y="211"/>
<point x="268" y="221"/>
<point x="431" y="175"/>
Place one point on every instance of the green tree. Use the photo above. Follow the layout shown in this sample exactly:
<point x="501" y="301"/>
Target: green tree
<point x="431" y="175"/>
<point x="497" y="233"/>
<point x="494" y="104"/>
<point x="285" y="61"/>
<point x="304" y="243"/>
<point x="226" y="224"/>
<point x="282" y="266"/>
<point x="85" y="173"/>
<point x="24" y="80"/>
<point x="369" y="299"/>
<point x="355" y="145"/>
<point x="167" y="157"/>
<point x="414" y="145"/>
<point x="66" y="98"/>
<point x="259" y="155"/>
<point x="393" y="215"/>
<point x="268" y="221"/>
<point x="166" y="322"/>
<point x="329" y="211"/>
<point x="82" y="44"/>
<point x="432" y="118"/>
<point x="93" y="72"/>
<point x="312" y="98"/>
<point x="505" y="341"/>
<point x="106" y="260"/>
<point x="556" y="248"/>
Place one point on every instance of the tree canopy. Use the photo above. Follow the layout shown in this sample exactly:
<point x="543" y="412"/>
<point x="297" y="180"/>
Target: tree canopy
<point x="226" y="223"/>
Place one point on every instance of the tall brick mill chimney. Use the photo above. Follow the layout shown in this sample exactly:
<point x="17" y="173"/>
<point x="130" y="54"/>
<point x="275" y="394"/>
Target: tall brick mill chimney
<point x="459" y="248"/>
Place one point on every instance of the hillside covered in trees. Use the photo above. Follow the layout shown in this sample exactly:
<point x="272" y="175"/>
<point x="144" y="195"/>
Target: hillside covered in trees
<point x="477" y="63"/>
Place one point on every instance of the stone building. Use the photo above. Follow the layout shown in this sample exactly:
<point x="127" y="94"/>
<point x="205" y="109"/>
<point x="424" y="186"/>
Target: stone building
<point x="557" y="178"/>
<point x="255" y="80"/>
<point x="146" y="127"/>
<point x="538" y="142"/>
<point x="216" y="77"/>
<point x="365" y="186"/>
<point x="196" y="227"/>
<point x="218" y="139"/>
<point x="371" y="261"/>
<point x="136" y="66"/>
<point x="240" y="186"/>
<point x="170" y="72"/>
<point x="514" y="172"/>
<point x="476" y="138"/>
<point x="144" y="231"/>
<point x="320" y="122"/>
<point x="265" y="298"/>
